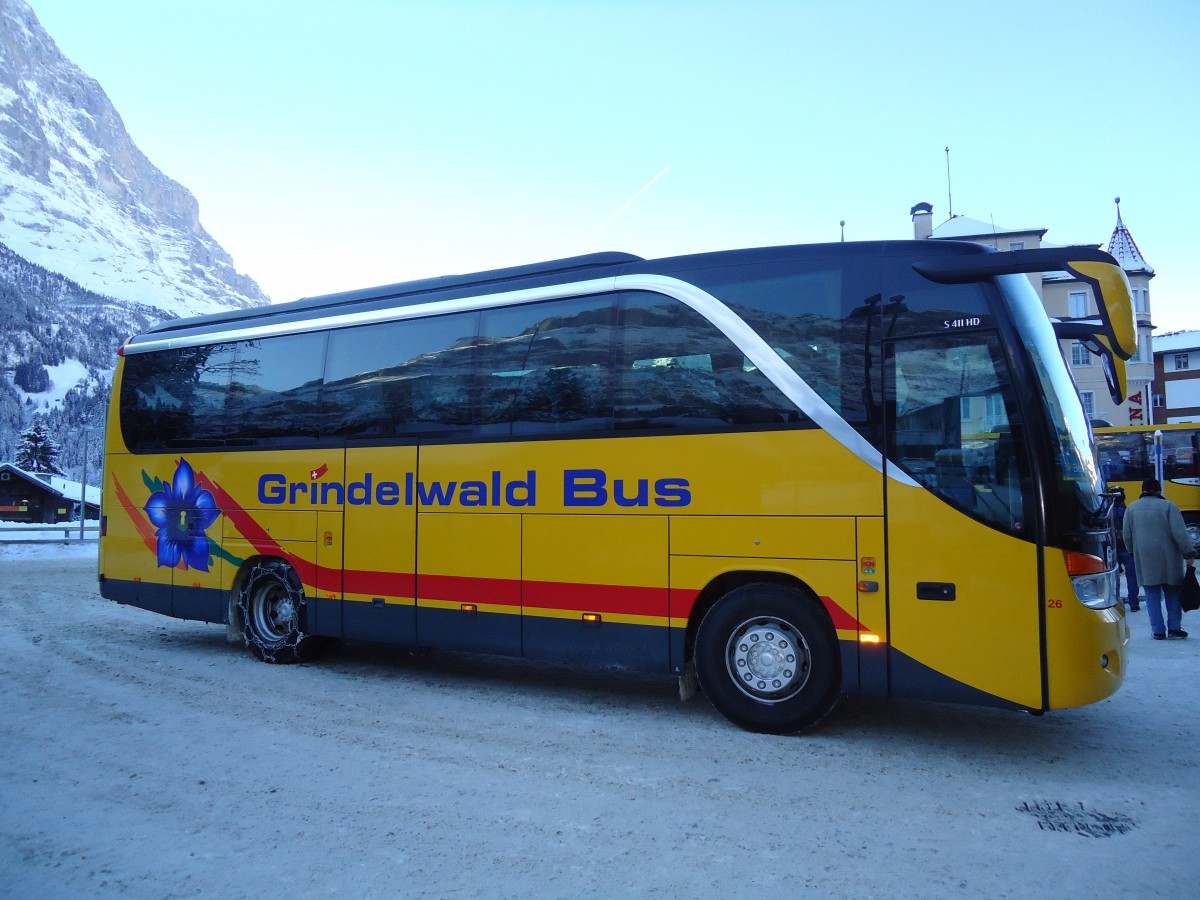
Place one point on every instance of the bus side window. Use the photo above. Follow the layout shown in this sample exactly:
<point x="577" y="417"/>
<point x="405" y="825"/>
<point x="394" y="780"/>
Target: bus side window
<point x="676" y="371"/>
<point x="1179" y="455"/>
<point x="274" y="389"/>
<point x="398" y="378"/>
<point x="1112" y="467"/>
<point x="545" y="368"/>
<point x="364" y="391"/>
<point x="176" y="398"/>
<point x="440" y="379"/>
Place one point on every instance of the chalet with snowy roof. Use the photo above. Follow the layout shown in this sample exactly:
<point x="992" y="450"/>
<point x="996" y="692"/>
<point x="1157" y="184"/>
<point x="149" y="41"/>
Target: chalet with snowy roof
<point x="1067" y="298"/>
<point x="49" y="499"/>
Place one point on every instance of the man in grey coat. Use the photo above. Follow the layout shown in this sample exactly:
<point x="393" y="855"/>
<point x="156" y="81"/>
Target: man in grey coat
<point x="1155" y="534"/>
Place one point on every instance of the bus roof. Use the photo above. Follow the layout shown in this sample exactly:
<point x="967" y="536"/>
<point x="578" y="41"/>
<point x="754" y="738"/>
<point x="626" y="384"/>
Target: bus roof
<point x="401" y="293"/>
<point x="590" y="266"/>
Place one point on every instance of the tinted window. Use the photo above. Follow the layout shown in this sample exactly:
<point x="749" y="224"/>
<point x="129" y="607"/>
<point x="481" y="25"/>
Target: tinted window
<point x="1130" y="455"/>
<point x="926" y="307"/>
<point x="675" y="370"/>
<point x="637" y="360"/>
<point x="955" y="427"/>
<point x="826" y="316"/>
<point x="546" y="368"/>
<point x="274" y="390"/>
<point x="399" y="378"/>
<point x="816" y="314"/>
<point x="176" y="398"/>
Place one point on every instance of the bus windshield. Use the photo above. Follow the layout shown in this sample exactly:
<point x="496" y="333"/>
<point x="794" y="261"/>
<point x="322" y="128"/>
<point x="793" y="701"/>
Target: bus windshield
<point x="1074" y="473"/>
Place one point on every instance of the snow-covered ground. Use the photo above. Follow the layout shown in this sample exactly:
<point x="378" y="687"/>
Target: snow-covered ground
<point x="142" y="756"/>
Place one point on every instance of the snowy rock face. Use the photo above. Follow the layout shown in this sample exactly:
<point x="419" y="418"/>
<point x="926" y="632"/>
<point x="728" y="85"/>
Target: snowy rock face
<point x="79" y="198"/>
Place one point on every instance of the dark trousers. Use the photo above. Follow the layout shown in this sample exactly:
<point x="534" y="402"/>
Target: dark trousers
<point x="1125" y="558"/>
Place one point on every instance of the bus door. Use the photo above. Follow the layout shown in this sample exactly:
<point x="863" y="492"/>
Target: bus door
<point x="379" y="555"/>
<point x="468" y="559"/>
<point x="963" y="586"/>
<point x="596" y="576"/>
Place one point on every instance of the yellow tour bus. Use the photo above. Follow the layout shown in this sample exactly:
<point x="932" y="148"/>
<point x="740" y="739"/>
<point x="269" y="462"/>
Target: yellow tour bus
<point x="758" y="470"/>
<point x="1130" y="454"/>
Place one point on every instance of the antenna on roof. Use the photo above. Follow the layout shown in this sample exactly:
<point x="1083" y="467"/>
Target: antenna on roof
<point x="843" y="224"/>
<point x="949" y="195"/>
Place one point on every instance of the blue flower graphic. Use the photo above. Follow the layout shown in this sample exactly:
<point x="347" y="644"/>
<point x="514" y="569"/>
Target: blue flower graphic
<point x="181" y="513"/>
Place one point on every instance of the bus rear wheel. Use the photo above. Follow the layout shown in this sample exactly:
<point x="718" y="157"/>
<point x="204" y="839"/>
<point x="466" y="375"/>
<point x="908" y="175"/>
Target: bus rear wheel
<point x="271" y="603"/>
<point x="768" y="659"/>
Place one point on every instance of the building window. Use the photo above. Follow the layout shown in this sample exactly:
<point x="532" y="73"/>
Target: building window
<point x="1141" y="300"/>
<point x="1089" y="402"/>
<point x="965" y="407"/>
<point x="1016" y="245"/>
<point x="1077" y="304"/>
<point x="1158" y="400"/>
<point x="997" y="416"/>
<point x="1080" y="356"/>
<point x="1181" y="361"/>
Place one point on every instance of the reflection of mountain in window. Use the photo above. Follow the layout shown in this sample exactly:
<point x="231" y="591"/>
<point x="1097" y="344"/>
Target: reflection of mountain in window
<point x="587" y="364"/>
<point x="274" y="389"/>
<point x="675" y="369"/>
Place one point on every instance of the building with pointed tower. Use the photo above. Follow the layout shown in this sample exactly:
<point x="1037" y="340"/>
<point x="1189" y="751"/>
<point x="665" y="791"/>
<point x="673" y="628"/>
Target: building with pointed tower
<point x="1124" y="250"/>
<point x="1067" y="298"/>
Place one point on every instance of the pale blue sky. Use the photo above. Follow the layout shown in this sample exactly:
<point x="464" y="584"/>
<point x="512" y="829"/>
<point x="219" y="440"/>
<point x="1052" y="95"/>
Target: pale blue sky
<point x="334" y="145"/>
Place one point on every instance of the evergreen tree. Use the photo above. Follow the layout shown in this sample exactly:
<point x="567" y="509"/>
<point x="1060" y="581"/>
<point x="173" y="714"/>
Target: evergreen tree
<point x="31" y="377"/>
<point x="36" y="452"/>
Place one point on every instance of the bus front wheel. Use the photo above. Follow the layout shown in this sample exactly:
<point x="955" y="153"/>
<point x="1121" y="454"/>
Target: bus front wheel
<point x="271" y="603"/>
<point x="768" y="659"/>
<point x="1193" y="529"/>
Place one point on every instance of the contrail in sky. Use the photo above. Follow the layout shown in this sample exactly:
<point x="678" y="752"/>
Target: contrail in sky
<point x="627" y="203"/>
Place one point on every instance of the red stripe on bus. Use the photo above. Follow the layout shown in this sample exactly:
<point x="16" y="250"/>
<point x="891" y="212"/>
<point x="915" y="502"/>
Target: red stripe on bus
<point x="682" y="601"/>
<point x="842" y="620"/>
<point x="460" y="588"/>
<point x="380" y="584"/>
<point x="142" y="525"/>
<point x="604" y="598"/>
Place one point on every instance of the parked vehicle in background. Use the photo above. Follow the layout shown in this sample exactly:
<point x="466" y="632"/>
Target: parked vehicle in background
<point x="1170" y="453"/>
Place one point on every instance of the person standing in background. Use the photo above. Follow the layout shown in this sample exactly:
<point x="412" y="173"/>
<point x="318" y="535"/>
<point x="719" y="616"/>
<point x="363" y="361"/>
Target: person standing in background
<point x="1154" y="532"/>
<point x="1124" y="557"/>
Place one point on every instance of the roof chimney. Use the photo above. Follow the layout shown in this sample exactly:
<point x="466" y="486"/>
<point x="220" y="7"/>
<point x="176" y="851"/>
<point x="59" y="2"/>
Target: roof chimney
<point x="922" y="219"/>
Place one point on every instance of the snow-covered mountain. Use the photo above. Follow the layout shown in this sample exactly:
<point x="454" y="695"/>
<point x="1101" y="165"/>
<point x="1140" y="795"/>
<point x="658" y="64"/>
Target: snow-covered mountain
<point x="77" y="196"/>
<point x="96" y="244"/>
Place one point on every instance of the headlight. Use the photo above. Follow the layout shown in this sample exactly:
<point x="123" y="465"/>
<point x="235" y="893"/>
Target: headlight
<point x="1095" y="585"/>
<point x="1096" y="591"/>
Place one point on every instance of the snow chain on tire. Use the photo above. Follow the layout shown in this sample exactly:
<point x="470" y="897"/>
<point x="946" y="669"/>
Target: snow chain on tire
<point x="271" y="603"/>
